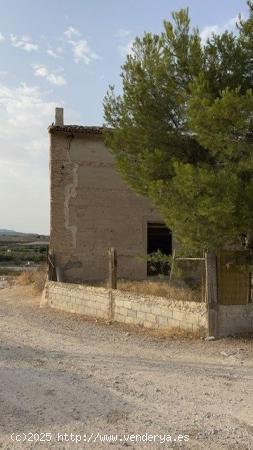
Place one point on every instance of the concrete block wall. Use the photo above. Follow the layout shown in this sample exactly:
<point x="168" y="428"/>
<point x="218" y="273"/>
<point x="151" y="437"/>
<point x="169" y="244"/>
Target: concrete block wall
<point x="76" y="298"/>
<point x="120" y="306"/>
<point x="235" y="319"/>
<point x="158" y="312"/>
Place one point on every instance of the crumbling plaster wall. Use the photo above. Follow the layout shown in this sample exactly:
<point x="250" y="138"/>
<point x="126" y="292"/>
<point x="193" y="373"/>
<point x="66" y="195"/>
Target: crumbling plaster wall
<point x="92" y="209"/>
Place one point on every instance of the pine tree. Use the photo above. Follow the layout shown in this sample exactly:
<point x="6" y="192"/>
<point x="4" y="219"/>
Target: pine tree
<point x="181" y="130"/>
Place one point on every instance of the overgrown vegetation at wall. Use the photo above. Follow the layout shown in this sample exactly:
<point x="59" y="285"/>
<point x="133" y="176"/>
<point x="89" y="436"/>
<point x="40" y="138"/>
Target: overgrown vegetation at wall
<point x="156" y="288"/>
<point x="161" y="288"/>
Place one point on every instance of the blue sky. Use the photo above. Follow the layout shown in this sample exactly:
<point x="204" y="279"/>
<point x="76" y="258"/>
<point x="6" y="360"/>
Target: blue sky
<point x="62" y="53"/>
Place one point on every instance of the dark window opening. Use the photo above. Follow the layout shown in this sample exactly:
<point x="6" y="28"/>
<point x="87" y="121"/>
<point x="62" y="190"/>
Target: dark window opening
<point x="159" y="238"/>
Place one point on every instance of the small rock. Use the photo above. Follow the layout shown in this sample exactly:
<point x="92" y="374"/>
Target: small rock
<point x="210" y="338"/>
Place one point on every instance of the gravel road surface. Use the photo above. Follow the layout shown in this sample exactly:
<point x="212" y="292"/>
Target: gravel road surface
<point x="65" y="379"/>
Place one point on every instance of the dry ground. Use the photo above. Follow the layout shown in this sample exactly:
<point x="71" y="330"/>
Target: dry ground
<point x="62" y="374"/>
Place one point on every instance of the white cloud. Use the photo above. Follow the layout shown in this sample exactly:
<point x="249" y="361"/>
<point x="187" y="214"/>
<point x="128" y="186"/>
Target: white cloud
<point x="2" y="38"/>
<point x="25" y="113"/>
<point x="122" y="33"/>
<point x="24" y="43"/>
<point x="80" y="47"/>
<point x="22" y="112"/>
<point x="126" y="49"/>
<point x="82" y="51"/>
<point x="24" y="118"/>
<point x="71" y="32"/>
<point x="55" y="53"/>
<point x="52" y="53"/>
<point x="59" y="80"/>
<point x="209" y="30"/>
<point x="42" y="71"/>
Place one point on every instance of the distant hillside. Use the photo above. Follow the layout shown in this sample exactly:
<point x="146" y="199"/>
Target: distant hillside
<point x="15" y="233"/>
<point x="12" y="234"/>
<point x="9" y="232"/>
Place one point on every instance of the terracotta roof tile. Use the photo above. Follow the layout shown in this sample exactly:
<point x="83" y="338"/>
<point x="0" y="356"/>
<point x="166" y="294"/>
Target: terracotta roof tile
<point x="75" y="129"/>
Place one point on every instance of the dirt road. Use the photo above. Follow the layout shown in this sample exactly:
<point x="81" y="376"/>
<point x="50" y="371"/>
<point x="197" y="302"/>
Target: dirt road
<point x="60" y="374"/>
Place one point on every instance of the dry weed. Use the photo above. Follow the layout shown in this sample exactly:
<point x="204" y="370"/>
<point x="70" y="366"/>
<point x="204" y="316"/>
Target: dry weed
<point x="25" y="278"/>
<point x="36" y="278"/>
<point x="156" y="288"/>
<point x="160" y="289"/>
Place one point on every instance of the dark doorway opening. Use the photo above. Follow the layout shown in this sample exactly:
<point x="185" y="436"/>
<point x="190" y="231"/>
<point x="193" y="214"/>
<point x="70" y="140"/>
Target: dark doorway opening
<point x="159" y="238"/>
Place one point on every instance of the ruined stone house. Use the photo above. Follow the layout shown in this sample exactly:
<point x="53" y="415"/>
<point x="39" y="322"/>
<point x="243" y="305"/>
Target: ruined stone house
<point x="93" y="209"/>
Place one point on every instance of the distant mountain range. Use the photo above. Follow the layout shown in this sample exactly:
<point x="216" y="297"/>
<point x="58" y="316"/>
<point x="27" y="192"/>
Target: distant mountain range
<point x="10" y="232"/>
<point x="6" y="232"/>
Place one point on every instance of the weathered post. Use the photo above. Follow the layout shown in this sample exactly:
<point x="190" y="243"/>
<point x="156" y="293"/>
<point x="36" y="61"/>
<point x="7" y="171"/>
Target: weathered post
<point x="203" y="277"/>
<point x="212" y="293"/>
<point x="112" y="253"/>
<point x="51" y="266"/>
<point x="172" y="265"/>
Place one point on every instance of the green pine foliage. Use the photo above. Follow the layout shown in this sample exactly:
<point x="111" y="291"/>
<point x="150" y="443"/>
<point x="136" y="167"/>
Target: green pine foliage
<point x="181" y="131"/>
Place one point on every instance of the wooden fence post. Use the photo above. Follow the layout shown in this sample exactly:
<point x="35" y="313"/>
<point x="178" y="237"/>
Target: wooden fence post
<point x="212" y="293"/>
<point x="112" y="268"/>
<point x="203" y="277"/>
<point x="172" y="265"/>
